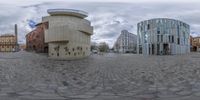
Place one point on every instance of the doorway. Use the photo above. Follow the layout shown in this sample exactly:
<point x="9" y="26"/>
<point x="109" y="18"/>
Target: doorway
<point x="46" y="49"/>
<point x="140" y="49"/>
<point x="195" y="48"/>
<point x="158" y="49"/>
<point x="152" y="47"/>
<point x="166" y="49"/>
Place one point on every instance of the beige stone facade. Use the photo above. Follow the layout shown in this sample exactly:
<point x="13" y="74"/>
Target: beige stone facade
<point x="67" y="34"/>
<point x="7" y="43"/>
<point x="195" y="44"/>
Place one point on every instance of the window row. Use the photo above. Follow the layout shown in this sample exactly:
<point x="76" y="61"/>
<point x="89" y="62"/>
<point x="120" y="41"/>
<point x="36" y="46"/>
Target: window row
<point x="72" y="49"/>
<point x="71" y="53"/>
<point x="7" y="46"/>
<point x="170" y="39"/>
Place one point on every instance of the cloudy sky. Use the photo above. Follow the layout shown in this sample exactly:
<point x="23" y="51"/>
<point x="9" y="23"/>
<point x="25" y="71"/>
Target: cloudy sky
<point x="108" y="18"/>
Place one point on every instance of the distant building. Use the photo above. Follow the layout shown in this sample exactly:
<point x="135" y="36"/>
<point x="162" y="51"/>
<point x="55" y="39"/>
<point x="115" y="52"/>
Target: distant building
<point x="35" y="39"/>
<point x="162" y="36"/>
<point x="191" y="39"/>
<point x="8" y="42"/>
<point x="22" y="47"/>
<point x="126" y="43"/>
<point x="67" y="34"/>
<point x="196" y="44"/>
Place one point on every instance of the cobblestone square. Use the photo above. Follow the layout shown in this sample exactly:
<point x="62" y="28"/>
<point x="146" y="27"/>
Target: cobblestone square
<point x="31" y="76"/>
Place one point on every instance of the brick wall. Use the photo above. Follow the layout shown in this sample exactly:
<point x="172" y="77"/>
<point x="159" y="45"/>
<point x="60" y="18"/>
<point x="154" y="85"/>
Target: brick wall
<point x="35" y="40"/>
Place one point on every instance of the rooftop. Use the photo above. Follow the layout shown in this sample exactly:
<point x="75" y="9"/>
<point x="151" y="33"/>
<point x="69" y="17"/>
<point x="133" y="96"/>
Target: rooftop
<point x="162" y="19"/>
<point x="7" y="35"/>
<point x="70" y="12"/>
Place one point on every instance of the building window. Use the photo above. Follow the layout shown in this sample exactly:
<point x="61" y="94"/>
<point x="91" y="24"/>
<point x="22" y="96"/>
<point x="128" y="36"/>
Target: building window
<point x="148" y="26"/>
<point x="66" y="49"/>
<point x="178" y="41"/>
<point x="184" y="37"/>
<point x="141" y="29"/>
<point x="158" y="38"/>
<point x="172" y="39"/>
<point x="158" y="32"/>
<point x="145" y="37"/>
<point x="161" y="38"/>
<point x="55" y="48"/>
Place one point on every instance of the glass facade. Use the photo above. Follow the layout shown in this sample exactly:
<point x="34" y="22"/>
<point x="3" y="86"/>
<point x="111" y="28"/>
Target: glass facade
<point x="165" y="36"/>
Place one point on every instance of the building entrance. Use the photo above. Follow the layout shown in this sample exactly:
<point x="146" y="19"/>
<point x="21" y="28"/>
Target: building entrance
<point x="152" y="47"/>
<point x="165" y="49"/>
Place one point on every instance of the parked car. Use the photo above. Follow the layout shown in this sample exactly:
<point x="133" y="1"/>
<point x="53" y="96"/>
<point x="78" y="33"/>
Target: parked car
<point x="94" y="51"/>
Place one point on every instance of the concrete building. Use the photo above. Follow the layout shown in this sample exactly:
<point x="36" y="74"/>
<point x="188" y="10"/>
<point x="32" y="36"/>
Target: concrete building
<point x="126" y="43"/>
<point x="163" y="36"/>
<point x="195" y="44"/>
<point x="8" y="42"/>
<point x="67" y="33"/>
<point x="35" y="39"/>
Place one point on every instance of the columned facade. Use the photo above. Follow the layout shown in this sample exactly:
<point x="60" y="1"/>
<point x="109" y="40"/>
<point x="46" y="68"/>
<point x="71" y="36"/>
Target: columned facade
<point x="163" y="36"/>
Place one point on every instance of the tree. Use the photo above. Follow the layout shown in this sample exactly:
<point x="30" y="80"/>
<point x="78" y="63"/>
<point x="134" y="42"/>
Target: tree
<point x="103" y="47"/>
<point x="94" y="46"/>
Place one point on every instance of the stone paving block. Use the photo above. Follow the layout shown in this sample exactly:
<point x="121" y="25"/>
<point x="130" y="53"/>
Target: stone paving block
<point x="34" y="76"/>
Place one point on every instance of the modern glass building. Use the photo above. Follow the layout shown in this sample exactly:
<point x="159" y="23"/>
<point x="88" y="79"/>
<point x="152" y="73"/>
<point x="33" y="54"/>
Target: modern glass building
<point x="163" y="36"/>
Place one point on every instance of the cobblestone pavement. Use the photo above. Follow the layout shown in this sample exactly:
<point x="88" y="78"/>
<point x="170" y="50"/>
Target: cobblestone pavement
<point x="30" y="76"/>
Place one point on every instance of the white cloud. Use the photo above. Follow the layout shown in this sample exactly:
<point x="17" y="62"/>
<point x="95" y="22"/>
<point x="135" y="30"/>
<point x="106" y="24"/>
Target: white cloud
<point x="108" y="19"/>
<point x="31" y="2"/>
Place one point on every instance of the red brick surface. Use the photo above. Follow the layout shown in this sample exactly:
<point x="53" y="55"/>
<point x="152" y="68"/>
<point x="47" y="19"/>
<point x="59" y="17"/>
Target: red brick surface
<point x="35" y="40"/>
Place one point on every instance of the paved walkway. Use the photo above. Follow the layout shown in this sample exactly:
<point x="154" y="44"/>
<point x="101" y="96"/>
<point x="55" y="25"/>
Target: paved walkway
<point x="30" y="76"/>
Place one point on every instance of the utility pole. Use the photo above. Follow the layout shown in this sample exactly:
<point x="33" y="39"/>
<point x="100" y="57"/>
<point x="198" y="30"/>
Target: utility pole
<point x="16" y="37"/>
